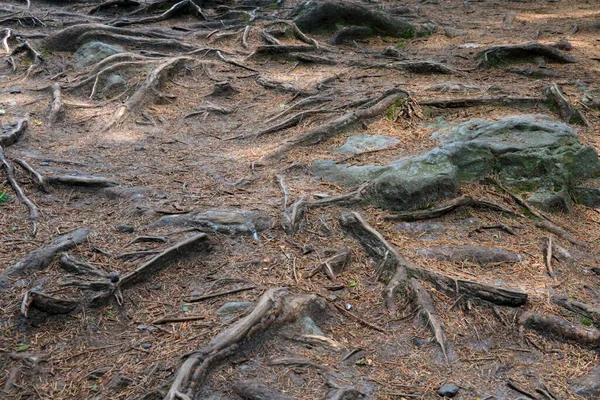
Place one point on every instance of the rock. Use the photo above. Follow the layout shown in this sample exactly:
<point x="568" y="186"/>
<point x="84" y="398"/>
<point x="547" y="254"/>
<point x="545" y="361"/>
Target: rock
<point x="360" y="143"/>
<point x="223" y="89"/>
<point x="112" y="83"/>
<point x="146" y="346"/>
<point x="161" y="196"/>
<point x="453" y="32"/>
<point x="114" y="277"/>
<point x="448" y="390"/>
<point x="591" y="98"/>
<point x="587" y="386"/>
<point x="482" y="255"/>
<point x="528" y="152"/>
<point x="563" y="44"/>
<point x="588" y="194"/>
<point x="416" y="183"/>
<point x="93" y="52"/>
<point x="139" y="148"/>
<point x="224" y="221"/>
<point x="547" y="200"/>
<point x="14" y="90"/>
<point x="393" y="52"/>
<point x="308" y="327"/>
<point x="126" y="228"/>
<point x="509" y="18"/>
<point x="119" y="382"/>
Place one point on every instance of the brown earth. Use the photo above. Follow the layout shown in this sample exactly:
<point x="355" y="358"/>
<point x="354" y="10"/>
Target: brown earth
<point x="188" y="164"/>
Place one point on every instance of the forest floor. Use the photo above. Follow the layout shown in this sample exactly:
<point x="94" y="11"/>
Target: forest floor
<point x="189" y="164"/>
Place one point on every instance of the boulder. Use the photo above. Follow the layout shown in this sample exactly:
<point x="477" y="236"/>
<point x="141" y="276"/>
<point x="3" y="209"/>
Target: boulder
<point x="360" y="143"/>
<point x="587" y="386"/>
<point x="94" y="52"/>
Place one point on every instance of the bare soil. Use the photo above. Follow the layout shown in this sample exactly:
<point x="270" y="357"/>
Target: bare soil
<point x="188" y="164"/>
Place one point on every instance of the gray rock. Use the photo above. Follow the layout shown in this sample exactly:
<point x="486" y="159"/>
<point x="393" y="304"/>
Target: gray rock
<point x="547" y="200"/>
<point x="351" y="33"/>
<point x="224" y="221"/>
<point x="453" y="32"/>
<point x="482" y="255"/>
<point x="308" y="327"/>
<point x="448" y="390"/>
<point x="126" y="228"/>
<point x="112" y="83"/>
<point x="587" y="386"/>
<point x="416" y="183"/>
<point x="588" y="193"/>
<point x="93" y="52"/>
<point x="345" y="175"/>
<point x="234" y="307"/>
<point x="359" y="143"/>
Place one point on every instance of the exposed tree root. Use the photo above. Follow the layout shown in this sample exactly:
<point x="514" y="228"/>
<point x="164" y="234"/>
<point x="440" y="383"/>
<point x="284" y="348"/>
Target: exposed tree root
<point x="312" y="59"/>
<point x="73" y="266"/>
<point x="56" y="107"/>
<point x="293" y="214"/>
<point x="281" y="86"/>
<point x="184" y="6"/>
<point x="426" y="310"/>
<point x="14" y="135"/>
<point x="566" y="110"/>
<point x="274" y="306"/>
<point x="483" y="100"/>
<point x="333" y="265"/>
<point x="480" y="255"/>
<point x="309" y="101"/>
<point x="252" y="390"/>
<point x="502" y="54"/>
<point x="578" y="307"/>
<point x="394" y="268"/>
<point x="287" y="123"/>
<point x="337" y="125"/>
<point x="449" y="206"/>
<point x="46" y="303"/>
<point x="142" y="96"/>
<point x="282" y="49"/>
<point x="559" y="327"/>
<point x="112" y="3"/>
<point x="42" y="257"/>
<point x="414" y="66"/>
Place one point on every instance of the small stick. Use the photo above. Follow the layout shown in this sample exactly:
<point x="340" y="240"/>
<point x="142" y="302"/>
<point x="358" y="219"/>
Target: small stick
<point x="39" y="179"/>
<point x="294" y="270"/>
<point x="356" y="317"/>
<point x="548" y="257"/>
<point x="213" y="295"/>
<point x="516" y="388"/>
<point x="167" y="319"/>
<point x="56" y="107"/>
<point x="283" y="186"/>
<point x="233" y="62"/>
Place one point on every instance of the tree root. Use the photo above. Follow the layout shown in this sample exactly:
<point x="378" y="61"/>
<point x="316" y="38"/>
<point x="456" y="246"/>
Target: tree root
<point x="42" y="257"/>
<point x="44" y="182"/>
<point x="309" y="101"/>
<point x="337" y="125"/>
<point x="483" y="100"/>
<point x="414" y="66"/>
<point x="14" y="135"/>
<point x="426" y="310"/>
<point x="449" y="206"/>
<point x="333" y="265"/>
<point x="500" y="54"/>
<point x="45" y="303"/>
<point x="292" y="215"/>
<point x="578" y="307"/>
<point x="69" y="264"/>
<point x="184" y="6"/>
<point x="281" y="86"/>
<point x="287" y="123"/>
<point x="559" y="327"/>
<point x="56" y="107"/>
<point x="568" y="113"/>
<point x="395" y="270"/>
<point x="141" y="97"/>
<point x="274" y="306"/>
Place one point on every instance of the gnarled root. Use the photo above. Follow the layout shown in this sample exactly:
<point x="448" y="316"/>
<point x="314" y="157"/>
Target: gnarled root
<point x="276" y="306"/>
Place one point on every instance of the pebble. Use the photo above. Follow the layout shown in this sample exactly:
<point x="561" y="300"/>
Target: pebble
<point x="114" y="277"/>
<point x="146" y="346"/>
<point x="126" y="228"/>
<point x="448" y="390"/>
<point x="139" y="148"/>
<point x="44" y="164"/>
<point x="14" y="90"/>
<point x="161" y="196"/>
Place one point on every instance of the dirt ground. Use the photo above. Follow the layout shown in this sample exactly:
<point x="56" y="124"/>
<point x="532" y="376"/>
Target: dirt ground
<point x="189" y="164"/>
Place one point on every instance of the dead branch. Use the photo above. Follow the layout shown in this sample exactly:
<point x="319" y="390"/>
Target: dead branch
<point x="141" y="97"/>
<point x="56" y="107"/>
<point x="42" y="257"/>
<point x="286" y="195"/>
<point x="219" y="294"/>
<point x="169" y="319"/>
<point x="38" y="178"/>
<point x="449" y="206"/>
<point x="245" y="36"/>
<point x="337" y="125"/>
<point x="334" y="265"/>
<point x="233" y="62"/>
<point x="548" y="257"/>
